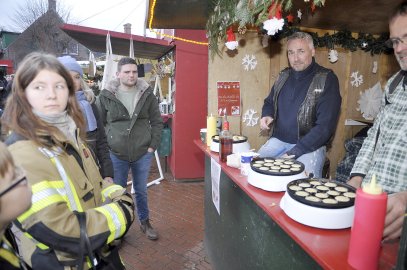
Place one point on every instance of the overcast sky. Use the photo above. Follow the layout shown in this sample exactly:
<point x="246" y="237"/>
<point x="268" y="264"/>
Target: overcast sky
<point x="103" y="14"/>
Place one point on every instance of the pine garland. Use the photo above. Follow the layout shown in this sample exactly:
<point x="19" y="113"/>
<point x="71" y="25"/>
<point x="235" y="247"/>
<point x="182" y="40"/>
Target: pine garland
<point x="254" y="12"/>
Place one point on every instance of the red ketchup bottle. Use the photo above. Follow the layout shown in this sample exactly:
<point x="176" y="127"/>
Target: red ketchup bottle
<point x="368" y="225"/>
<point x="226" y="142"/>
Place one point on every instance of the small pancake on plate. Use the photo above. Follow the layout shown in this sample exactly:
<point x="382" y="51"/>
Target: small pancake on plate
<point x="311" y="190"/>
<point x="333" y="193"/>
<point x="285" y="170"/>
<point x="341" y="189"/>
<point x="330" y="184"/>
<point x="278" y="163"/>
<point x="264" y="168"/>
<point x="259" y="161"/>
<point x="280" y="160"/>
<point x="330" y="201"/>
<point x="257" y="165"/>
<point x="241" y="138"/>
<point x="295" y="187"/>
<point x="312" y="199"/>
<point x="301" y="193"/>
<point x="342" y="199"/>
<point x="285" y="166"/>
<point x="304" y="185"/>
<point x="268" y="164"/>
<point x="295" y="169"/>
<point x="322" y="188"/>
<point x="296" y="165"/>
<point x="268" y="160"/>
<point x="350" y="194"/>
<point x="321" y="195"/>
<point x="315" y="183"/>
<point x="275" y="167"/>
<point x="288" y="162"/>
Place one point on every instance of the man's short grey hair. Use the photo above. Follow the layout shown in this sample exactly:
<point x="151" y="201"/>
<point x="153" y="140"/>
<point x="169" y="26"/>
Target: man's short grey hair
<point x="304" y="36"/>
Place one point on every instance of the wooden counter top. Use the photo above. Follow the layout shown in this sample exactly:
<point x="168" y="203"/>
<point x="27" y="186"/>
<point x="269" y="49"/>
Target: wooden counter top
<point x="329" y="248"/>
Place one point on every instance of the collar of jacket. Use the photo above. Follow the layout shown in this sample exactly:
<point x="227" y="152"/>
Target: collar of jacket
<point x="113" y="86"/>
<point x="303" y="73"/>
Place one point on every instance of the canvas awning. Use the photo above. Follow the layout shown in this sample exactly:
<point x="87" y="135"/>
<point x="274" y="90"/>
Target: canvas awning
<point x="95" y="40"/>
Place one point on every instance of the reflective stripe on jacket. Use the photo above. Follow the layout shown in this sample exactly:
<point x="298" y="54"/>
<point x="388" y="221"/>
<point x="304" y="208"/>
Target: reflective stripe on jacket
<point x="51" y="229"/>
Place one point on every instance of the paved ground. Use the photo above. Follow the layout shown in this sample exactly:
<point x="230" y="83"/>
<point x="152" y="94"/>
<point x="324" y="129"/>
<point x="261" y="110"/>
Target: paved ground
<point x="176" y="211"/>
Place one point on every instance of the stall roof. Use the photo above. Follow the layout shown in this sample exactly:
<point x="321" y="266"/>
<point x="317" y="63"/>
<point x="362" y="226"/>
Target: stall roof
<point x="367" y="16"/>
<point x="95" y="40"/>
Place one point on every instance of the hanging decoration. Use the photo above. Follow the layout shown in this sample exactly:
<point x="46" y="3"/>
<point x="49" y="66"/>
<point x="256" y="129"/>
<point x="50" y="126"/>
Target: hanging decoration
<point x="356" y="79"/>
<point x="249" y="118"/>
<point x="249" y="62"/>
<point x="369" y="102"/>
<point x="263" y="15"/>
<point x="231" y="42"/>
<point x="333" y="56"/>
<point x="374" y="69"/>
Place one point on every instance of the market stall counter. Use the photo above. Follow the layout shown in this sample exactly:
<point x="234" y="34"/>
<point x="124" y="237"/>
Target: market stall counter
<point x="251" y="231"/>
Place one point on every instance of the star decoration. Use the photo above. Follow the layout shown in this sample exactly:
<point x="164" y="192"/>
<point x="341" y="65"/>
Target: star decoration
<point x="299" y="14"/>
<point x="290" y="18"/>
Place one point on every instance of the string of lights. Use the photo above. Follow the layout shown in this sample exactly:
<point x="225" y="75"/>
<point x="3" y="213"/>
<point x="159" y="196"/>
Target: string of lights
<point x="166" y="35"/>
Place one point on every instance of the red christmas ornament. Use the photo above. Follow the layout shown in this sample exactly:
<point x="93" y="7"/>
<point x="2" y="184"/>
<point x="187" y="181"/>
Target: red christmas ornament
<point x="312" y="7"/>
<point x="290" y="18"/>
<point x="275" y="11"/>
<point x="231" y="42"/>
<point x="230" y="35"/>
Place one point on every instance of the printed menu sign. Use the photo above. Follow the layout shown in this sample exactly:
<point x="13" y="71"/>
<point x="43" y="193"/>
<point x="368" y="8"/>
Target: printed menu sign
<point x="228" y="98"/>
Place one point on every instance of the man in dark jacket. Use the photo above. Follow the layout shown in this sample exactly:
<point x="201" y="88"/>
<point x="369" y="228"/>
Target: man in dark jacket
<point x="303" y="106"/>
<point x="130" y="112"/>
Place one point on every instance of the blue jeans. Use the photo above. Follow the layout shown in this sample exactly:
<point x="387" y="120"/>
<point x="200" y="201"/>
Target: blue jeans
<point x="313" y="161"/>
<point x="139" y="170"/>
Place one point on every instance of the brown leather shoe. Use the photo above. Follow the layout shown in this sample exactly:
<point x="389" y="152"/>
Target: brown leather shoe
<point x="146" y="228"/>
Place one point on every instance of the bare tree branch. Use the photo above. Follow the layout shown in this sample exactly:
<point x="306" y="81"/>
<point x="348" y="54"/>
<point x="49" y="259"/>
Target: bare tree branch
<point x="28" y="12"/>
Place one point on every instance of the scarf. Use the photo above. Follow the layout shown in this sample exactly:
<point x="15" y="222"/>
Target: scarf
<point x="87" y="111"/>
<point x="63" y="122"/>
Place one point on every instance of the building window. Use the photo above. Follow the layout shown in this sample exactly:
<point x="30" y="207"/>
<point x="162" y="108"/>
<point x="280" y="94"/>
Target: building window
<point x="72" y="49"/>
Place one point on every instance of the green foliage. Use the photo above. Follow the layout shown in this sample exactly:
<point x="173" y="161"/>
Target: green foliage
<point x="254" y="12"/>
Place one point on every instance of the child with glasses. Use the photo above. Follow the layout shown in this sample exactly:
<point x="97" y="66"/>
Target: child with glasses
<point x="15" y="198"/>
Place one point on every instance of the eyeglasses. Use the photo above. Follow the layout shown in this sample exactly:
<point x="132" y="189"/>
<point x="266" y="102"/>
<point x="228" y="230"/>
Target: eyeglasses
<point x="394" y="42"/>
<point x="19" y="177"/>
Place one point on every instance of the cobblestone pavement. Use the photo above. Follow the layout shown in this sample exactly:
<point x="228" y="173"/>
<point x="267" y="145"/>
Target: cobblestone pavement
<point x="177" y="213"/>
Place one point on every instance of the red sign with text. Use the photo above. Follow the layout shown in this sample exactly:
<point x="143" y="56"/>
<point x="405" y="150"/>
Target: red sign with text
<point x="228" y="98"/>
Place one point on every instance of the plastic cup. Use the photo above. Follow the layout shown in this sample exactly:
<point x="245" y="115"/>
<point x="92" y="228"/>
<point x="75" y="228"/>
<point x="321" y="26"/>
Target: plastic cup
<point x="203" y="135"/>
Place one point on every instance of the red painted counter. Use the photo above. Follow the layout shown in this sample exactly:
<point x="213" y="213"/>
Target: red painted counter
<point x="329" y="248"/>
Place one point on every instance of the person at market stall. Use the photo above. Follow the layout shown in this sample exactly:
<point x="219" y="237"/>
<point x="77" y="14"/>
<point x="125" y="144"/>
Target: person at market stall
<point x="384" y="151"/>
<point x="76" y="216"/>
<point x="130" y="112"/>
<point x="95" y="131"/>
<point x="302" y="108"/>
<point x="15" y="199"/>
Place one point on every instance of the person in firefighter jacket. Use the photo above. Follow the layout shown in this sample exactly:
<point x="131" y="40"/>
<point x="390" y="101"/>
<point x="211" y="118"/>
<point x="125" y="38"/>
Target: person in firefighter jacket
<point x="76" y="217"/>
<point x="15" y="199"/>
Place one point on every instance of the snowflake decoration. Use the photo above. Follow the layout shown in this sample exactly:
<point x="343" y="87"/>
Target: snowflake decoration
<point x="369" y="102"/>
<point x="249" y="118"/>
<point x="356" y="79"/>
<point x="249" y="62"/>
